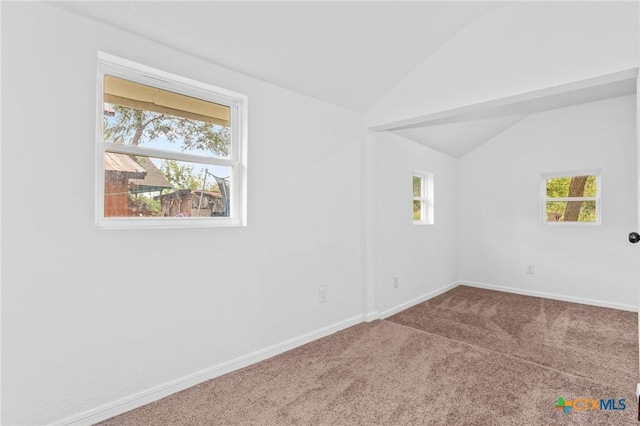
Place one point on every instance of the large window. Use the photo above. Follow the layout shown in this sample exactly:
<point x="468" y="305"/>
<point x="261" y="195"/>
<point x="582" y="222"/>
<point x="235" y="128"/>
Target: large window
<point x="171" y="151"/>
<point x="571" y="197"/>
<point x="423" y="198"/>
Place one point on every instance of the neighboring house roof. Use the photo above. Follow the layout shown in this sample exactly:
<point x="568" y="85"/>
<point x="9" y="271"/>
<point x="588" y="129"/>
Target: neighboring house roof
<point x="143" y="175"/>
<point x="211" y="193"/>
<point x="185" y="192"/>
<point x="124" y="164"/>
<point x="153" y="181"/>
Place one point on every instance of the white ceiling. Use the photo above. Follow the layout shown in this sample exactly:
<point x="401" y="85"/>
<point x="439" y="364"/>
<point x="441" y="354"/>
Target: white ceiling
<point x="346" y="53"/>
<point x="460" y="137"/>
<point x="461" y="130"/>
<point x="349" y="54"/>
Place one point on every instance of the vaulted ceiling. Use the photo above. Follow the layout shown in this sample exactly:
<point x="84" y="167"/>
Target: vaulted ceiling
<point x="350" y="54"/>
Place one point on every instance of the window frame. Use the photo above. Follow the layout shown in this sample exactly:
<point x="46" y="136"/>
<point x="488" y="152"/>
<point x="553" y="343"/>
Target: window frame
<point x="237" y="161"/>
<point x="426" y="198"/>
<point x="597" y="198"/>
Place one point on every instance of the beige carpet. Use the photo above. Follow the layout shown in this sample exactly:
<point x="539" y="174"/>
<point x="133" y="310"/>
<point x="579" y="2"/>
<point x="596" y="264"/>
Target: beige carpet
<point x="587" y="341"/>
<point x="418" y="368"/>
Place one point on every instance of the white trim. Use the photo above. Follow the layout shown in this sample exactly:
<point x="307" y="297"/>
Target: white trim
<point x="564" y="298"/>
<point x="167" y="80"/>
<point x="372" y="316"/>
<point x="168" y="222"/>
<point x="147" y="396"/>
<point x="167" y="155"/>
<point x="417" y="300"/>
<point x="369" y="234"/>
<point x="638" y="152"/>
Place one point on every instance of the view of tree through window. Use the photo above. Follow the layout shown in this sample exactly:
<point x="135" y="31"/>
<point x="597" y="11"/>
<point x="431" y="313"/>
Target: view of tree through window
<point x="422" y="198"/>
<point x="571" y="199"/>
<point x="183" y="128"/>
<point x="418" y="203"/>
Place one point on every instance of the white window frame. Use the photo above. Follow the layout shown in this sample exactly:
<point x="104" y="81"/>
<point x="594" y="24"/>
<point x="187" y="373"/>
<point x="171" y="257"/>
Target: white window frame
<point x="238" y="104"/>
<point x="426" y="198"/>
<point x="543" y="197"/>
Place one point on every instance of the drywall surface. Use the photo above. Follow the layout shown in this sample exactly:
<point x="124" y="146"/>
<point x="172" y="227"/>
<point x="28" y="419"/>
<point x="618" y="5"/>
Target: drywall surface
<point x="423" y="257"/>
<point x="90" y="315"/>
<point x="501" y="229"/>
<point x="518" y="48"/>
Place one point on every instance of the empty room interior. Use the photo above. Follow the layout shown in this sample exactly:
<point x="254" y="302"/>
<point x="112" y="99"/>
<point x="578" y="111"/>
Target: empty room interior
<point x="319" y="212"/>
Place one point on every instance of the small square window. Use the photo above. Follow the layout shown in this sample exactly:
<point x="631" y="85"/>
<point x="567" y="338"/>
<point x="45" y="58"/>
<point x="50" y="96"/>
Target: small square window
<point x="423" y="198"/>
<point x="571" y="197"/>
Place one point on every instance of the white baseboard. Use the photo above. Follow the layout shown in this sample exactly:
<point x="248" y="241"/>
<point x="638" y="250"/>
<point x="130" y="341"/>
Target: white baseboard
<point x="593" y="302"/>
<point x="123" y="405"/>
<point x="372" y="316"/>
<point x="417" y="300"/>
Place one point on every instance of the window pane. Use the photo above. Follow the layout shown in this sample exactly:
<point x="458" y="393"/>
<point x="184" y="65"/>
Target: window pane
<point x="417" y="210"/>
<point x="571" y="211"/>
<point x="590" y="187"/>
<point x="137" y="186"/>
<point x="136" y="114"/>
<point x="417" y="186"/>
<point x="571" y="186"/>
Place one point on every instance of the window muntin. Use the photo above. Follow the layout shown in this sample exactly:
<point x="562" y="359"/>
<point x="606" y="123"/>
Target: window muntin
<point x="571" y="198"/>
<point x="422" y="198"/>
<point x="171" y="151"/>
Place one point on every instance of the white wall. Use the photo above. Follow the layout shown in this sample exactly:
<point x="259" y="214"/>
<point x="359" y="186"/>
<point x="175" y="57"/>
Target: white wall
<point x="91" y="316"/>
<point x="520" y="47"/>
<point x="500" y="226"/>
<point x="424" y="257"/>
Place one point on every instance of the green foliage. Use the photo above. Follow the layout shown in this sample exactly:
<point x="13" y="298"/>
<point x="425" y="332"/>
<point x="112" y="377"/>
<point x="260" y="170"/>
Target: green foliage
<point x="588" y="212"/>
<point x="181" y="176"/>
<point x="132" y="126"/>
<point x="417" y="192"/>
<point x="590" y="187"/>
<point x="417" y="186"/>
<point x="144" y="204"/>
<point x="417" y="210"/>
<point x="151" y="203"/>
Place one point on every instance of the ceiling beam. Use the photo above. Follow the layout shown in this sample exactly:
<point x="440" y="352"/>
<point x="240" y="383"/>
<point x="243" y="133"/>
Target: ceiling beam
<point x="573" y="93"/>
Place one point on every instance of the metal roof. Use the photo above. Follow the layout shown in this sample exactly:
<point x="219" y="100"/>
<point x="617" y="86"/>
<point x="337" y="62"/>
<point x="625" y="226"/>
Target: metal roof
<point x="123" y="163"/>
<point x="153" y="181"/>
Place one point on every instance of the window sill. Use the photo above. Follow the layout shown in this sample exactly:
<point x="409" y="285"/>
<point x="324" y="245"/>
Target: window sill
<point x="164" y="223"/>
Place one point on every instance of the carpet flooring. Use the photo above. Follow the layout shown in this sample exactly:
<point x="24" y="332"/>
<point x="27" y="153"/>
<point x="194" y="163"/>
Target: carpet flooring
<point x="586" y="341"/>
<point x="466" y="357"/>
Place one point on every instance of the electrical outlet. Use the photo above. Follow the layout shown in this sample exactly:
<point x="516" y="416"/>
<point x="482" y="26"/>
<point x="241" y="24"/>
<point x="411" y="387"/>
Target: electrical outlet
<point x="323" y="293"/>
<point x="531" y="269"/>
<point x="396" y="281"/>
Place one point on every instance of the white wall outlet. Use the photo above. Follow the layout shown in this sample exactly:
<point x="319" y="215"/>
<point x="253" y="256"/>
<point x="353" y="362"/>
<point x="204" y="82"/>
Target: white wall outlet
<point x="531" y="269"/>
<point x="396" y="281"/>
<point x="322" y="292"/>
